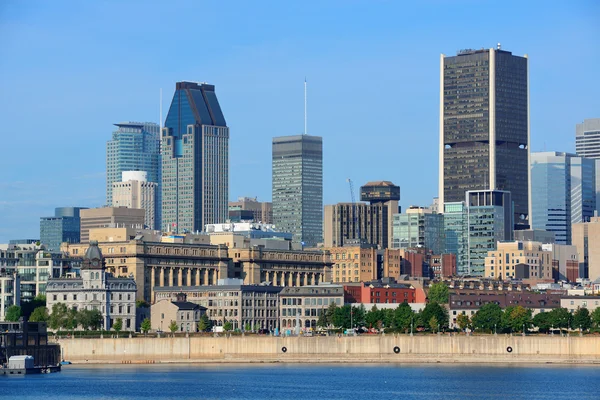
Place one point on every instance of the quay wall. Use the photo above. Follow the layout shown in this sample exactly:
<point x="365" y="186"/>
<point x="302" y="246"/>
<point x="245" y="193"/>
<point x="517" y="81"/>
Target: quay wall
<point x="388" y="348"/>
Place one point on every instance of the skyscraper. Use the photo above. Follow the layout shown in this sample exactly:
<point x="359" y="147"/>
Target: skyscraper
<point x="195" y="160"/>
<point x="135" y="146"/>
<point x="587" y="138"/>
<point x="563" y="192"/>
<point x="64" y="226"/>
<point x="298" y="187"/>
<point x="484" y="127"/>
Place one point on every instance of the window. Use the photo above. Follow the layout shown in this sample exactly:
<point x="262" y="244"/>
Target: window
<point x="64" y="297"/>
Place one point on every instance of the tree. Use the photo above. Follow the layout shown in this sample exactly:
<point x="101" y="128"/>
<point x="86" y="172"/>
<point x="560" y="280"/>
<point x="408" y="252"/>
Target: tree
<point x="582" y="319"/>
<point x="84" y="317"/>
<point x="40" y="314"/>
<point x="373" y="317"/>
<point x="433" y="324"/>
<point x="463" y="321"/>
<point x="358" y="315"/>
<point x="95" y="319"/>
<point x="146" y="325"/>
<point x="204" y="323"/>
<point x="13" y="313"/>
<point x="403" y="315"/>
<point x="71" y="319"/>
<point x="596" y="318"/>
<point x="173" y="327"/>
<point x="247" y="327"/>
<point x="560" y="318"/>
<point x="227" y="326"/>
<point x="142" y="304"/>
<point x="515" y="318"/>
<point x="439" y="293"/>
<point x="431" y="310"/>
<point x="58" y="316"/>
<point x="28" y="307"/>
<point x="542" y="321"/>
<point x="488" y="317"/>
<point x="118" y="325"/>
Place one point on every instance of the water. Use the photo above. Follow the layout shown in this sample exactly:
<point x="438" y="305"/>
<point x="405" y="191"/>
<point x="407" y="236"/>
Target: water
<point x="308" y="381"/>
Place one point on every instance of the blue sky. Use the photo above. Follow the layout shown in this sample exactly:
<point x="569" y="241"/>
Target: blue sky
<point x="69" y="70"/>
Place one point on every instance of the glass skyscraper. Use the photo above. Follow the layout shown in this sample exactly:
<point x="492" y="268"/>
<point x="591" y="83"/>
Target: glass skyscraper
<point x="456" y="234"/>
<point x="63" y="227"/>
<point x="135" y="146"/>
<point x="419" y="227"/>
<point x="195" y="160"/>
<point x="298" y="187"/>
<point x="484" y="127"/>
<point x="564" y="191"/>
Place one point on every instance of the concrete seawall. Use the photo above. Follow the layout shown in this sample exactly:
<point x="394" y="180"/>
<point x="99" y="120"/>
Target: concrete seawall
<point x="389" y="348"/>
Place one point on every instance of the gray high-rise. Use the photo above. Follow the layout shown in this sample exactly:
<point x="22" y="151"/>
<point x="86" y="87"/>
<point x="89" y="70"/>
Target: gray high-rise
<point x="298" y="187"/>
<point x="587" y="138"/>
<point x="195" y="160"/>
<point x="484" y="127"/>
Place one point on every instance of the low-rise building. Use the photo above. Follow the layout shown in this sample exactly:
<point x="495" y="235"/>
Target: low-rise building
<point x="184" y="313"/>
<point x="572" y="303"/>
<point x="519" y="260"/>
<point x="442" y="265"/>
<point x="9" y="291"/>
<point x="302" y="306"/>
<point x="384" y="291"/>
<point x="96" y="289"/>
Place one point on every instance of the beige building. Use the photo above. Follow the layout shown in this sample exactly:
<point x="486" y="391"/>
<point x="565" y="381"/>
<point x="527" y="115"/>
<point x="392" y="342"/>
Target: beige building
<point x="9" y="291"/>
<point x="134" y="191"/>
<point x="565" y="261"/>
<point x="586" y="237"/>
<point x="519" y="260"/>
<point x="110" y="217"/>
<point x="572" y="303"/>
<point x="364" y="263"/>
<point x="302" y="306"/>
<point x="261" y="211"/>
<point x="184" y="313"/>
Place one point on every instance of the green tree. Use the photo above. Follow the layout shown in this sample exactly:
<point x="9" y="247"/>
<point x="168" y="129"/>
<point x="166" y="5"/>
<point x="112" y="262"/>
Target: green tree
<point x="358" y="316"/>
<point x="373" y="317"/>
<point x="118" y="325"/>
<point x="433" y="324"/>
<point x="582" y="319"/>
<point x="84" y="317"/>
<point x="560" y="318"/>
<point x="247" y="327"/>
<point x="28" y="307"/>
<point x="173" y="327"/>
<point x="434" y="310"/>
<point x="71" y="319"/>
<point x="403" y="315"/>
<point x="488" y="317"/>
<point x="439" y="293"/>
<point x="146" y="325"/>
<point x="142" y="304"/>
<point x="463" y="321"/>
<point x="322" y="320"/>
<point x="515" y="318"/>
<point x="227" y="326"/>
<point x="13" y="313"/>
<point x="542" y="321"/>
<point x="95" y="319"/>
<point x="40" y="314"/>
<point x="204" y="323"/>
<point x="58" y="316"/>
<point x="596" y="318"/>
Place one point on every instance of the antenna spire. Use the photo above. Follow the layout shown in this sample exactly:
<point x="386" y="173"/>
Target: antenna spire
<point x="305" y="119"/>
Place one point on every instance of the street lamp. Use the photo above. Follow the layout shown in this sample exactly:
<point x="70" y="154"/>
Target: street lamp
<point x="495" y="329"/>
<point x="411" y="325"/>
<point x="523" y="329"/>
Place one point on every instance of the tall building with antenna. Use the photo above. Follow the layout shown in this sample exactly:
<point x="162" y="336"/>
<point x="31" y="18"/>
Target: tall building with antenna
<point x="195" y="160"/>
<point x="484" y="127"/>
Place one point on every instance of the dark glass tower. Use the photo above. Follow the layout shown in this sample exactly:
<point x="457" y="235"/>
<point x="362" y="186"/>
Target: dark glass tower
<point x="484" y="127"/>
<point x="195" y="160"/>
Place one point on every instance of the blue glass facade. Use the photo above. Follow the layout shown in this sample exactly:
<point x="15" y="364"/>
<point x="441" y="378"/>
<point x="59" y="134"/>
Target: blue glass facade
<point x="63" y="227"/>
<point x="455" y="232"/>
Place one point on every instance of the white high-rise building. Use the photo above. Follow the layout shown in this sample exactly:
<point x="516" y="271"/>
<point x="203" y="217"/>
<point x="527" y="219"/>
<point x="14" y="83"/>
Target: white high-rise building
<point x="587" y="138"/>
<point x="134" y="191"/>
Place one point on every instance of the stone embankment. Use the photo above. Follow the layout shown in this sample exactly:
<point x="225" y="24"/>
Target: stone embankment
<point x="376" y="349"/>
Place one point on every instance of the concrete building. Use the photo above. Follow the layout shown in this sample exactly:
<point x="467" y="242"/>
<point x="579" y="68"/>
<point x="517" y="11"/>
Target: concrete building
<point x="110" y="217"/>
<point x="385" y="291"/>
<point x="419" y="227"/>
<point x="249" y="208"/>
<point x="527" y="261"/>
<point x="134" y="191"/>
<point x="565" y="262"/>
<point x="9" y="291"/>
<point x="64" y="226"/>
<point x="369" y="223"/>
<point x="535" y="235"/>
<point x="195" y="160"/>
<point x="184" y="313"/>
<point x="96" y="289"/>
<point x="572" y="303"/>
<point x="586" y="237"/>
<point x="33" y="277"/>
<point x="231" y="301"/>
<point x="302" y="306"/>
<point x="135" y="146"/>
<point x="298" y="187"/>
<point x="363" y="263"/>
<point x="563" y="192"/>
<point x="250" y="230"/>
<point x="484" y="127"/>
<point x="587" y="138"/>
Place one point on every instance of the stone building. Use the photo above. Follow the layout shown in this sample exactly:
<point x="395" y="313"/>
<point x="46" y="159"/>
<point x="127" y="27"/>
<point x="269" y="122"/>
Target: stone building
<point x="186" y="314"/>
<point x="302" y="306"/>
<point x="519" y="260"/>
<point x="96" y="289"/>
<point x="362" y="263"/>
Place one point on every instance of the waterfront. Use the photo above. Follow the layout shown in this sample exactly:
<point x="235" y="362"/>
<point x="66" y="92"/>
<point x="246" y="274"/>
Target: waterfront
<point x="292" y="381"/>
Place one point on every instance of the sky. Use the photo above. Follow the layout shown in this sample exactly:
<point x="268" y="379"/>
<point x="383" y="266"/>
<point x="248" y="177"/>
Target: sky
<point x="70" y="70"/>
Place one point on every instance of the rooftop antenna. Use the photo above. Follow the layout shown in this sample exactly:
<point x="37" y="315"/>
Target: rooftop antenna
<point x="305" y="120"/>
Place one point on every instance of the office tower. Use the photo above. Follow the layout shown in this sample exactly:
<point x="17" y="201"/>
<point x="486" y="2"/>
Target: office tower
<point x="370" y="224"/>
<point x="195" y="160"/>
<point x="489" y="220"/>
<point x="135" y="146"/>
<point x="64" y="226"/>
<point x="535" y="235"/>
<point x="298" y="187"/>
<point x="419" y="227"/>
<point x="586" y="237"/>
<point x="484" y="127"/>
<point x="110" y="217"/>
<point x="563" y="192"/>
<point x="456" y="234"/>
<point x="134" y="191"/>
<point x="250" y="208"/>
<point x="587" y="138"/>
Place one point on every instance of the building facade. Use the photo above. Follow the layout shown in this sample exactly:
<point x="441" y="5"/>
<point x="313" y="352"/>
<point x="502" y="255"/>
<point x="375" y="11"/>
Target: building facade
<point x="135" y="146"/>
<point x="535" y="235"/>
<point x="9" y="291"/>
<point x="379" y="292"/>
<point x="250" y="208"/>
<point x="587" y="138"/>
<point x="484" y="127"/>
<point x="419" y="227"/>
<point x="184" y="313"/>
<point x="107" y="217"/>
<point x="364" y="263"/>
<point x="64" y="226"/>
<point x="456" y="234"/>
<point x="96" y="289"/>
<point x="586" y="237"/>
<point x="519" y="260"/>
<point x="195" y="160"/>
<point x="134" y="191"/>
<point x="563" y="192"/>
<point x="302" y="306"/>
<point x="565" y="262"/>
<point x="297" y="187"/>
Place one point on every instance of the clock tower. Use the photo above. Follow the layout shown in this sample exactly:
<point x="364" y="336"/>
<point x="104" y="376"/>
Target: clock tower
<point x="93" y="267"/>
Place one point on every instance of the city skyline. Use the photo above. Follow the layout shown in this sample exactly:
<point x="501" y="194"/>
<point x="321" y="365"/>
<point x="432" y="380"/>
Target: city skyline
<point x="402" y="95"/>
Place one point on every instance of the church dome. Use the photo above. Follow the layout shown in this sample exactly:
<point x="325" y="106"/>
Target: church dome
<point x="93" y="252"/>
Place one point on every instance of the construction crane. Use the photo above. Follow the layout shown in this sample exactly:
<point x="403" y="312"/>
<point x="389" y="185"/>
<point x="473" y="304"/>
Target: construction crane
<point x="354" y="221"/>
